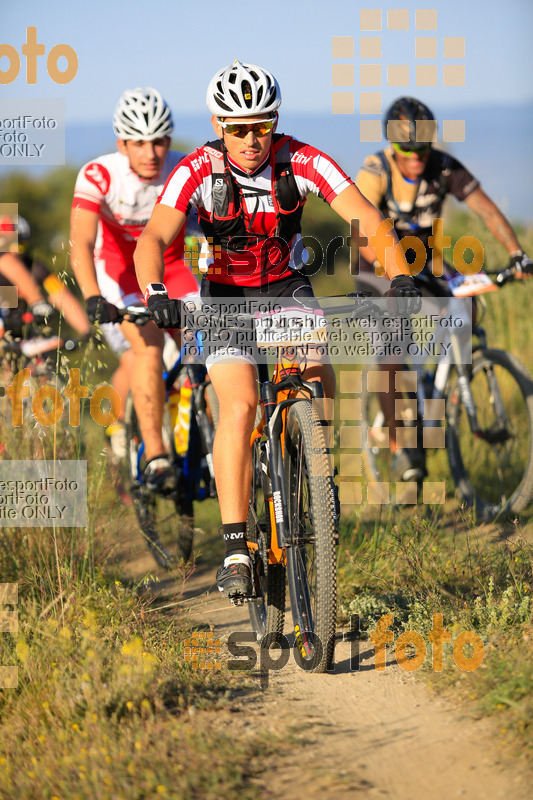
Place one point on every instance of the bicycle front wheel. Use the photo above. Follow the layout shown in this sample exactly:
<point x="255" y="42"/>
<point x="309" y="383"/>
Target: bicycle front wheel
<point x="311" y="558"/>
<point x="493" y="469"/>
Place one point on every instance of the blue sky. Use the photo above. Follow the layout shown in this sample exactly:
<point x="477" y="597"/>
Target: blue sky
<point x="177" y="47"/>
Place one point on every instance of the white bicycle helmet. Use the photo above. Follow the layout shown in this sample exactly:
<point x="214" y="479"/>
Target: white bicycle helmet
<point x="243" y="90"/>
<point x="142" y="114"/>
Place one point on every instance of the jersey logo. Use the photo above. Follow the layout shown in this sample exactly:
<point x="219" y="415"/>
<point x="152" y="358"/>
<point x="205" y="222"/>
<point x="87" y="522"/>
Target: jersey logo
<point x="98" y="176"/>
<point x="213" y="152"/>
<point x="299" y="158"/>
<point x="196" y="163"/>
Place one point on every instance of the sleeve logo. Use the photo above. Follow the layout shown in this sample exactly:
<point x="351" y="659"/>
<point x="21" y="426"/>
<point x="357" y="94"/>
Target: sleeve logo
<point x="99" y="176"/>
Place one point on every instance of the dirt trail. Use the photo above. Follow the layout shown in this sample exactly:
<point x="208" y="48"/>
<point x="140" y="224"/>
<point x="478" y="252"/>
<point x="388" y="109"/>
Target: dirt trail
<point x="365" y="733"/>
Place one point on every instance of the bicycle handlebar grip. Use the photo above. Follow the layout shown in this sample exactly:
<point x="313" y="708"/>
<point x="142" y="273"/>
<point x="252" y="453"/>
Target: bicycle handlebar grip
<point x="506" y="275"/>
<point x="139" y="315"/>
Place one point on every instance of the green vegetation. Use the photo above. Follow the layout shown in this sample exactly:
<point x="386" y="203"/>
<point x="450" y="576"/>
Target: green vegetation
<point x="106" y="705"/>
<point x="424" y="562"/>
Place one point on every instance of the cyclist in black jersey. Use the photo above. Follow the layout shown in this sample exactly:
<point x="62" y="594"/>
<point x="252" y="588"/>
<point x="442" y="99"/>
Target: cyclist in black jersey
<point x="408" y="182"/>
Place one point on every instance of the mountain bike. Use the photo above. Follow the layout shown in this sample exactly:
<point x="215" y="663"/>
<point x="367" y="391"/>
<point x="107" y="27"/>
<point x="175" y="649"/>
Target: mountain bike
<point x="293" y="510"/>
<point x="488" y="418"/>
<point x="167" y="522"/>
<point x="292" y="522"/>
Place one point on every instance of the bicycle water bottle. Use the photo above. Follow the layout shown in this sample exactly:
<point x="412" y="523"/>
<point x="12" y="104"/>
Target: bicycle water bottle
<point x="183" y="420"/>
<point x="173" y="402"/>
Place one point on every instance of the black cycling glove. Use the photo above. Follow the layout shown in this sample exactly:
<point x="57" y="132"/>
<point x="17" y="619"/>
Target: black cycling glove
<point x="521" y="263"/>
<point x="41" y="311"/>
<point x="99" y="310"/>
<point x="166" y="312"/>
<point x="407" y="295"/>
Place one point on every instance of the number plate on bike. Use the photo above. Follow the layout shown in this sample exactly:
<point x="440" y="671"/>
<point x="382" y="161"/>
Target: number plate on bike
<point x="469" y="285"/>
<point x="291" y="325"/>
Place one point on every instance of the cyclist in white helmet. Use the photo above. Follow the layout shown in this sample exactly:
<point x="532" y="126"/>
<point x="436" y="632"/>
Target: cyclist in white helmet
<point x="113" y="200"/>
<point x="249" y="186"/>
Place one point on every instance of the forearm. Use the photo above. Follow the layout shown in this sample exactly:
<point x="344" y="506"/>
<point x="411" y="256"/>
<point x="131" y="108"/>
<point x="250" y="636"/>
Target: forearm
<point x="14" y="270"/>
<point x="495" y="221"/>
<point x="384" y="244"/>
<point x="72" y="310"/>
<point x="377" y="235"/>
<point x="149" y="259"/>
<point x="82" y="260"/>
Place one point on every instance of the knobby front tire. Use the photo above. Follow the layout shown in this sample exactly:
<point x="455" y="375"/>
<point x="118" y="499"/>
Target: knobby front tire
<point x="311" y="559"/>
<point x="493" y="471"/>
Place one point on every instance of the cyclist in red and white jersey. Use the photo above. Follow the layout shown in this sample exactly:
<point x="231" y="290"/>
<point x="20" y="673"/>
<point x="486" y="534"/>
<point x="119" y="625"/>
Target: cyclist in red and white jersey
<point x="249" y="187"/>
<point x="113" y="199"/>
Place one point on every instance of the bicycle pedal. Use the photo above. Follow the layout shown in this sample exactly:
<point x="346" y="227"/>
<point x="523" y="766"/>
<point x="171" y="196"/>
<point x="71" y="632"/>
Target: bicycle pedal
<point x="239" y="600"/>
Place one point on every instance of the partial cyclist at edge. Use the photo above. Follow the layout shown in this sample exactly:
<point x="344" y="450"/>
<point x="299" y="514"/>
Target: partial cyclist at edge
<point x="261" y="180"/>
<point x="409" y="181"/>
<point x="40" y="291"/>
<point x="113" y="199"/>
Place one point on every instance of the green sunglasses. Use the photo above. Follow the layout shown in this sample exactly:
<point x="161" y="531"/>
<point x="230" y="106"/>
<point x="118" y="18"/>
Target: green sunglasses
<point x="406" y="150"/>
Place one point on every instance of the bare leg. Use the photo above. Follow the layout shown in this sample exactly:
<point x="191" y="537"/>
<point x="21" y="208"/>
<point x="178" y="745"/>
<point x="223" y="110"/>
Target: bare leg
<point x="147" y="387"/>
<point x="121" y="379"/>
<point x="235" y="384"/>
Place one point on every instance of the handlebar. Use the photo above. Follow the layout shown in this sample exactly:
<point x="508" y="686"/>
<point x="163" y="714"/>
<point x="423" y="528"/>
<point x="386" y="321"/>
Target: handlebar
<point x="506" y="275"/>
<point x="38" y="345"/>
<point x="140" y="315"/>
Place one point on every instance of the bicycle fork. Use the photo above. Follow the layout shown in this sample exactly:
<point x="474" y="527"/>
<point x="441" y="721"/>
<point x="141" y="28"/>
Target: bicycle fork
<point x="275" y="424"/>
<point x="464" y="388"/>
<point x="274" y="431"/>
<point x="495" y="436"/>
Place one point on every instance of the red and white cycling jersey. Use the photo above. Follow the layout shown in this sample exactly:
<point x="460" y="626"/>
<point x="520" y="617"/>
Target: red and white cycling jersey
<point x="109" y="187"/>
<point x="192" y="183"/>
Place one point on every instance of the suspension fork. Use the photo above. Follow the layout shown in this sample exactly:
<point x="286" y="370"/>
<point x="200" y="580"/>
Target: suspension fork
<point x="464" y="386"/>
<point x="274" y="429"/>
